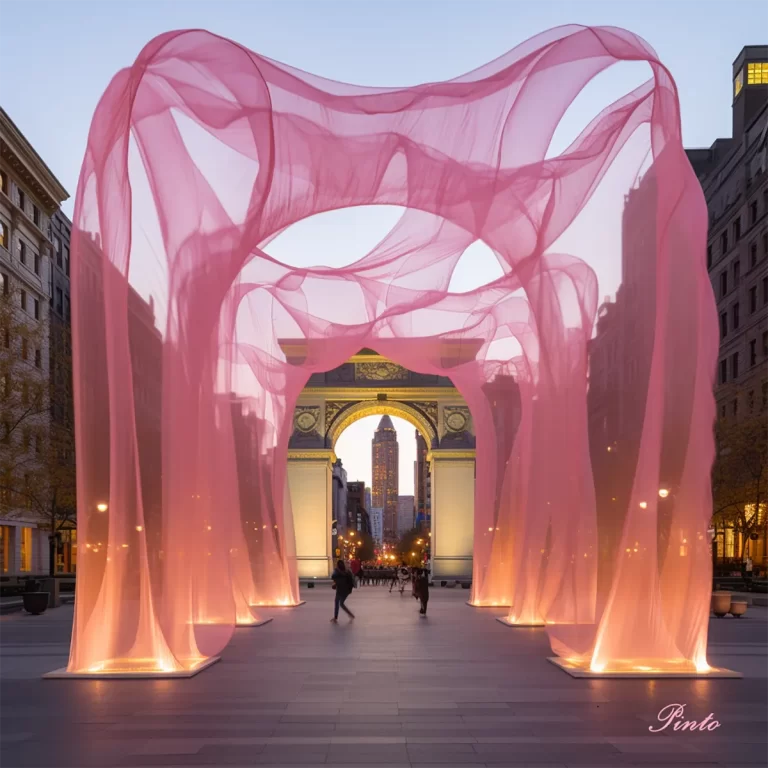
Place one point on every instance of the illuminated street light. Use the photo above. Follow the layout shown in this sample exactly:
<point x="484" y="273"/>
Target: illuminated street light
<point x="663" y="493"/>
<point x="102" y="507"/>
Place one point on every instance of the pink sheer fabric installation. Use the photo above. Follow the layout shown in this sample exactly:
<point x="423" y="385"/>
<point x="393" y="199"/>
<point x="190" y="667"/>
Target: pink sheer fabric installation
<point x="203" y="152"/>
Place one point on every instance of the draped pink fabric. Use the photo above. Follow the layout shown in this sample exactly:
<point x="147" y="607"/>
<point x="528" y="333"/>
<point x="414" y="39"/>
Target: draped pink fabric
<point x="202" y="152"/>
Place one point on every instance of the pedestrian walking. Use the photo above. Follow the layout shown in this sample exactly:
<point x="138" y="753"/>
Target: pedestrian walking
<point x="343" y="583"/>
<point x="422" y="589"/>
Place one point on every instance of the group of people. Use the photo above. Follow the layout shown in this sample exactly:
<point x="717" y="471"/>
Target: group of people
<point x="346" y="578"/>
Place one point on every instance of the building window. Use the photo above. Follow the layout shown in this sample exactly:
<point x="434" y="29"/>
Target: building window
<point x="59" y="301"/>
<point x="752" y="352"/>
<point x="757" y="73"/>
<point x="765" y="395"/>
<point x="38" y="443"/>
<point x="736" y="272"/>
<point x="752" y="255"/>
<point x="723" y="283"/>
<point x="752" y="299"/>
<point x="4" y="238"/>
<point x="21" y="199"/>
<point x="37" y="263"/>
<point x="57" y="248"/>
<point x="765" y="343"/>
<point x="36" y="215"/>
<point x="37" y="309"/>
<point x="724" y="241"/>
<point x="765" y="290"/>
<point x="7" y="340"/>
<point x="723" y="324"/>
<point x="738" y="83"/>
<point x="4" y="182"/>
<point x="765" y="244"/>
<point x="23" y="299"/>
<point x="38" y="359"/>
<point x="735" y="315"/>
<point x="5" y="547"/>
<point x="26" y="549"/>
<point x="24" y="348"/>
<point x="66" y="261"/>
<point x="735" y="365"/>
<point x="752" y="212"/>
<point x="722" y="411"/>
<point x="709" y="256"/>
<point x="22" y="252"/>
<point x="723" y="371"/>
<point x="735" y="406"/>
<point x="737" y="230"/>
<point x="751" y="400"/>
<point x="6" y="284"/>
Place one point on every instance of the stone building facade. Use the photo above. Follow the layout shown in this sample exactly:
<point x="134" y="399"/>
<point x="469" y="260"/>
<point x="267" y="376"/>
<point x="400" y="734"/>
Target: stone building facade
<point x="30" y="196"/>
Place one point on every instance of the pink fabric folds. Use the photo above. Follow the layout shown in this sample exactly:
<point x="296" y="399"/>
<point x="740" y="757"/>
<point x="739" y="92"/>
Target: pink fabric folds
<point x="203" y="151"/>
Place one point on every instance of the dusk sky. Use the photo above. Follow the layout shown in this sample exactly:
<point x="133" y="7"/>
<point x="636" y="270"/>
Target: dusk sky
<point x="69" y="51"/>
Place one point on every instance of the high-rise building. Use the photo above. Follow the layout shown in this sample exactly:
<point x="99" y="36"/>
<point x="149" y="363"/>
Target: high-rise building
<point x="422" y="486"/>
<point x="405" y="514"/>
<point x="357" y="514"/>
<point x="385" y="476"/>
<point x="376" y="516"/>
<point x="734" y="176"/>
<point x="733" y="173"/>
<point x="339" y="500"/>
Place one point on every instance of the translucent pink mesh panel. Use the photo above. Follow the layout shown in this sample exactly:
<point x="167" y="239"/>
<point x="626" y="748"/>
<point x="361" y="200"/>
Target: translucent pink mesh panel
<point x="203" y="152"/>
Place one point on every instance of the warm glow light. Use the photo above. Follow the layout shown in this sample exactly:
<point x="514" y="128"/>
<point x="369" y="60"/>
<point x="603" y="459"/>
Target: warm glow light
<point x="125" y="546"/>
<point x="102" y="507"/>
<point x="209" y="527"/>
<point x="139" y="528"/>
<point x="643" y="505"/>
<point x="608" y="449"/>
<point x="663" y="493"/>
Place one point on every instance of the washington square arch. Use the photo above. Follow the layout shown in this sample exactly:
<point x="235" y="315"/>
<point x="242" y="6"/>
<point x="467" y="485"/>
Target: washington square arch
<point x="370" y="384"/>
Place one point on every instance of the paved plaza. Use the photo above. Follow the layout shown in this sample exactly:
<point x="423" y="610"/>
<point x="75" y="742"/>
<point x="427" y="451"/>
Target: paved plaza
<point x="389" y="689"/>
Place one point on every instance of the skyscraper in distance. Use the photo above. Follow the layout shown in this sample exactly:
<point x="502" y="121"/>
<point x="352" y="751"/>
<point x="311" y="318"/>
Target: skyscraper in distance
<point x="385" y="455"/>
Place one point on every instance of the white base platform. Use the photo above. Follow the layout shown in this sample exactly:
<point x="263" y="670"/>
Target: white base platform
<point x="507" y="623"/>
<point x="62" y="674"/>
<point x="500" y="605"/>
<point x="575" y="670"/>
<point x="255" y="624"/>
<point x="277" y="605"/>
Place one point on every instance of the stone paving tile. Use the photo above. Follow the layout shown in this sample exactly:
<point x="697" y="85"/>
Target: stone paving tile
<point x="460" y="690"/>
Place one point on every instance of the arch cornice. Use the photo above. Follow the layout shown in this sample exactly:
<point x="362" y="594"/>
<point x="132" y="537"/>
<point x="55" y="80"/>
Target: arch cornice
<point x="380" y="407"/>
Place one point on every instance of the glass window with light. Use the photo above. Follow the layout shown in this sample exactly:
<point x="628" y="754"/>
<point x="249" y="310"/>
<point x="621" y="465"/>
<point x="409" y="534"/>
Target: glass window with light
<point x="5" y="547"/>
<point x="26" y="549"/>
<point x="757" y="73"/>
<point x="738" y="83"/>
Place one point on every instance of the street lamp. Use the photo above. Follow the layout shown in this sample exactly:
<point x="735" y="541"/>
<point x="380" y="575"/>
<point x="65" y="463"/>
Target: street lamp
<point x="102" y="507"/>
<point x="663" y="493"/>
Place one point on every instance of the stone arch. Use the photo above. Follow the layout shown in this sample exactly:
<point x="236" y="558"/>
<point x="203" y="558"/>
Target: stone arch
<point x="365" y="408"/>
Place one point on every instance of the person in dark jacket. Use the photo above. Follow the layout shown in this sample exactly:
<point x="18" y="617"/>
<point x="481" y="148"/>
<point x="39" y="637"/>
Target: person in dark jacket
<point x="343" y="583"/>
<point x="421" y="589"/>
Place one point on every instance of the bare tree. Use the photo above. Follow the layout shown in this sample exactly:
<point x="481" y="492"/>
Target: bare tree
<point x="740" y="477"/>
<point x="37" y="458"/>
